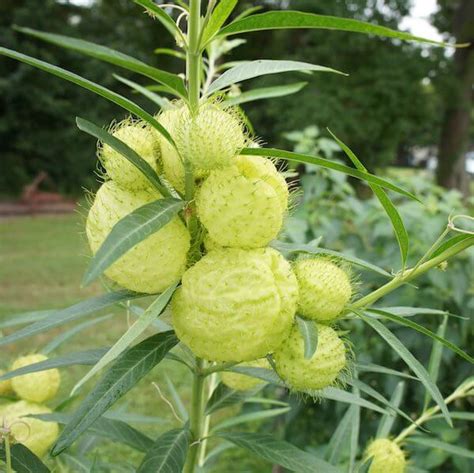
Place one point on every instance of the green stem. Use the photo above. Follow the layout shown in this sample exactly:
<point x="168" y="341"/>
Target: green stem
<point x="8" y="455"/>
<point x="194" y="57"/>
<point x="207" y="422"/>
<point x="410" y="274"/>
<point x="196" y="417"/>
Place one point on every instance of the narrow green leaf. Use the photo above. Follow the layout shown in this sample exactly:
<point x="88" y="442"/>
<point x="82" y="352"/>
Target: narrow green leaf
<point x="412" y="311"/>
<point x="111" y="56"/>
<point x="162" y="17"/>
<point x="262" y="67"/>
<point x="133" y="418"/>
<point x="309" y="332"/>
<point x="58" y="340"/>
<point x="265" y="400"/>
<point x="435" y="357"/>
<point x="279" y="452"/>
<point x="223" y="396"/>
<point x="86" y="358"/>
<point x="460" y="415"/>
<point x="250" y="417"/>
<point x="265" y="93"/>
<point x="386" y="422"/>
<point x="89" y="85"/>
<point x="131" y="230"/>
<point x="355" y="431"/>
<point x="310" y="249"/>
<point x="113" y="429"/>
<point x="326" y="163"/>
<point x="23" y="460"/>
<point x="336" y="394"/>
<point x="336" y="442"/>
<point x="373" y="368"/>
<point x="170" y="52"/>
<point x="177" y="401"/>
<point x="168" y="454"/>
<point x="132" y="156"/>
<point x="125" y="373"/>
<point x="264" y="374"/>
<point x="447" y="447"/>
<point x="419" y="328"/>
<point x="390" y="209"/>
<point x="218" y="18"/>
<point x="23" y="318"/>
<point x="248" y="12"/>
<point x="411" y="361"/>
<point x="138" y="327"/>
<point x="295" y="19"/>
<point x="55" y="318"/>
<point x="451" y="242"/>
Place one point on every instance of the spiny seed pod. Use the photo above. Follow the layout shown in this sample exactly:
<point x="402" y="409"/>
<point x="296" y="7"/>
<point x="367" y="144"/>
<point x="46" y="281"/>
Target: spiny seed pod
<point x="317" y="372"/>
<point x="5" y="386"/>
<point x="153" y="264"/>
<point x="36" y="387"/>
<point x="325" y="288"/>
<point x="243" y="382"/>
<point x="208" y="140"/>
<point x="235" y="305"/>
<point x="143" y="139"/>
<point x="35" y="434"/>
<point x="243" y="205"/>
<point x="387" y="457"/>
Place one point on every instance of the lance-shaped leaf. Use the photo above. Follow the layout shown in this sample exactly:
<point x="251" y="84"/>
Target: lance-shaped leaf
<point x="86" y="358"/>
<point x="336" y="442"/>
<point x="113" y="429"/>
<point x="447" y="447"/>
<point x="250" y="417"/>
<point x="218" y="18"/>
<point x="131" y="230"/>
<point x="157" y="12"/>
<point x="373" y="368"/>
<point x="297" y="20"/>
<point x="419" y="328"/>
<point x="265" y="93"/>
<point x="155" y="98"/>
<point x="55" y="318"/>
<point x="23" y="460"/>
<point x="89" y="85"/>
<point x="138" y="327"/>
<point x="390" y="209"/>
<point x="23" y="318"/>
<point x="411" y="361"/>
<point x="386" y="422"/>
<point x="412" y="311"/>
<point x="168" y="453"/>
<point x="279" y="452"/>
<point x="264" y="374"/>
<point x="97" y="51"/>
<point x="125" y="373"/>
<point x="262" y="67"/>
<point x="118" y="145"/>
<point x="223" y="396"/>
<point x="326" y="163"/>
<point x="309" y="332"/>
<point x="314" y="250"/>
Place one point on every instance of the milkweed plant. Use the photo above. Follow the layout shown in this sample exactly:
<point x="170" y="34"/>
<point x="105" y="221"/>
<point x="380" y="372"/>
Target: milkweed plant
<point x="189" y="212"/>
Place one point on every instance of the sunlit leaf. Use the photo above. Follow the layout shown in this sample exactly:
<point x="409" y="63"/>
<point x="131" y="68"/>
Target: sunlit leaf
<point x="262" y="67"/>
<point x="309" y="332"/>
<point x="218" y="18"/>
<point x="265" y="93"/>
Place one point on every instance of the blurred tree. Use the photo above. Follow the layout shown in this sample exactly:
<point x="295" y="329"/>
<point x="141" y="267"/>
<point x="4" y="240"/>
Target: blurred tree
<point x="37" y="111"/>
<point x="457" y="17"/>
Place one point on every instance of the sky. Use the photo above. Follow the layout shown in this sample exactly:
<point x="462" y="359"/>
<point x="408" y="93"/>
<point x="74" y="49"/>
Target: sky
<point x="418" y="23"/>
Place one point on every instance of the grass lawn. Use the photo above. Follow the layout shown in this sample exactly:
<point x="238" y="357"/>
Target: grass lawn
<point x="42" y="260"/>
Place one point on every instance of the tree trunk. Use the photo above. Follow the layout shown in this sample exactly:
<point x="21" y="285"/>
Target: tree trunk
<point x="455" y="130"/>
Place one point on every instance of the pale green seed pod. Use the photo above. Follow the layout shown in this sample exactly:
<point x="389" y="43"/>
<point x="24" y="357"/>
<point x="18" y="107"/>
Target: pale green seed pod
<point x="243" y="206"/>
<point x="143" y="139"/>
<point x="36" y="387"/>
<point x="387" y="457"/>
<point x="243" y="382"/>
<point x="235" y="305"/>
<point x="315" y="373"/>
<point x="153" y="264"/>
<point x="37" y="435"/>
<point x="209" y="140"/>
<point x="324" y="288"/>
<point x="5" y="386"/>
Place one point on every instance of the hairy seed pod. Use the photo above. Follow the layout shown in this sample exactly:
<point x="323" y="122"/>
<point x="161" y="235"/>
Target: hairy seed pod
<point x="387" y="457"/>
<point x="5" y="386"/>
<point x="243" y="206"/>
<point x="208" y="140"/>
<point x="153" y="264"/>
<point x="143" y="139"/>
<point x="235" y="305"/>
<point x="243" y="382"/>
<point x="325" y="288"/>
<point x="37" y="435"/>
<point x="36" y="387"/>
<point x="317" y="372"/>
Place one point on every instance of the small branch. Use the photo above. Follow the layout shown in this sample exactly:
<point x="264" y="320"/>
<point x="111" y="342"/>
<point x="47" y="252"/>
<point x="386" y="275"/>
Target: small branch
<point x="216" y="368"/>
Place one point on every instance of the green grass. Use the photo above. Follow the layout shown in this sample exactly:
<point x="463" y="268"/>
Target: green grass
<point x="42" y="260"/>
